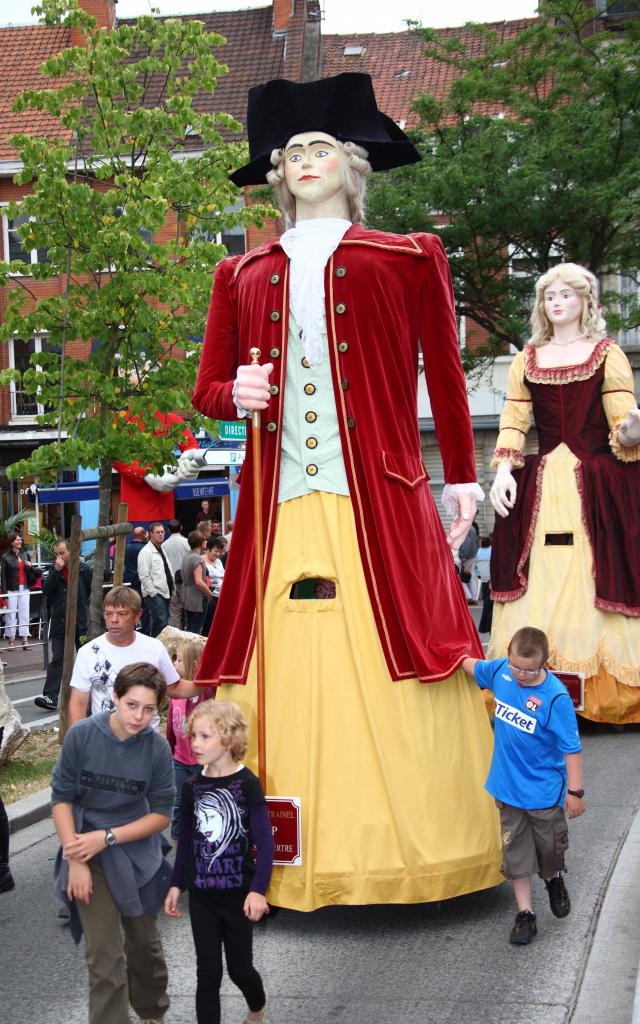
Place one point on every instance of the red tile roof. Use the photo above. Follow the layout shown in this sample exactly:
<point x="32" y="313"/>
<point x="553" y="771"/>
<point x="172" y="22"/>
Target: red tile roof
<point x="388" y="56"/>
<point x="251" y="52"/>
<point x="22" y="51"/>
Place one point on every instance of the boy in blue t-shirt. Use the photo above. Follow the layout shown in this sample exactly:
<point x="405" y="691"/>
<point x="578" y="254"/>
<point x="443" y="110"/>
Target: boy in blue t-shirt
<point x="535" y="772"/>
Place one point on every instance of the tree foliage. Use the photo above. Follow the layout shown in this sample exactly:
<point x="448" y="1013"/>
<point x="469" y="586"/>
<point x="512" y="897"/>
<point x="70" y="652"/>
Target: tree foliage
<point x="532" y="158"/>
<point x="99" y="201"/>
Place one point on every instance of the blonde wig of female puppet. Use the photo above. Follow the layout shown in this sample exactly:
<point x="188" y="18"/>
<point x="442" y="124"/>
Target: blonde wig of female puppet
<point x="356" y="171"/>
<point x="592" y="324"/>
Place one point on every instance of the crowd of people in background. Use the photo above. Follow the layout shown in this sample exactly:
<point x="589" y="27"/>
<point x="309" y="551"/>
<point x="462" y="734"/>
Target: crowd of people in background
<point x="178" y="578"/>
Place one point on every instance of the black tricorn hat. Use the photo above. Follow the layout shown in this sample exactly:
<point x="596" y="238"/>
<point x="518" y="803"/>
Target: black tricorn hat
<point x="343" y="106"/>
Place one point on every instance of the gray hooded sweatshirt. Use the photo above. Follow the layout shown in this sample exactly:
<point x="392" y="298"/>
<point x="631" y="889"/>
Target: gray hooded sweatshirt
<point x="111" y="782"/>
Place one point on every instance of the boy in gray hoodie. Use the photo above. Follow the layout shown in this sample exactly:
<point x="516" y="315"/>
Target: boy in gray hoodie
<point x="112" y="796"/>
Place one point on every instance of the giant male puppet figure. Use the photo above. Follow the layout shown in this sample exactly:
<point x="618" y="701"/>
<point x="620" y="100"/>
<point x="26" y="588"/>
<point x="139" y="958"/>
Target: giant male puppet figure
<point x="368" y="718"/>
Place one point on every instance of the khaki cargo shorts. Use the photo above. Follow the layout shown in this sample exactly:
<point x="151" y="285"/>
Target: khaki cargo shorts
<point x="533" y="841"/>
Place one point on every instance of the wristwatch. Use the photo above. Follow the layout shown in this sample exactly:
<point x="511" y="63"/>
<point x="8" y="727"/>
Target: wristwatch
<point x="109" y="837"/>
<point x="576" y="792"/>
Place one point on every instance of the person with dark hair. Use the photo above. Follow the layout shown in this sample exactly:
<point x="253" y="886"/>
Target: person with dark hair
<point x="112" y="792"/>
<point x="203" y="512"/>
<point x="194" y="582"/>
<point x="536" y="771"/>
<point x="16" y="573"/>
<point x="214" y="570"/>
<point x="55" y="593"/>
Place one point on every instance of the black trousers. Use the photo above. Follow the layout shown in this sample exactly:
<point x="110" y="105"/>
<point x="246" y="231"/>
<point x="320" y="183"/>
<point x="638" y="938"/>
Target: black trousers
<point x="54" y="669"/>
<point x="216" y="924"/>
<point x="4" y="827"/>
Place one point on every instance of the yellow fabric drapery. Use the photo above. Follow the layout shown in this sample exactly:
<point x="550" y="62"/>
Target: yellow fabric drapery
<point x="390" y="774"/>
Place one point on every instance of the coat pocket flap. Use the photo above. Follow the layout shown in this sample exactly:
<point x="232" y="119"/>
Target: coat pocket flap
<point x="408" y="469"/>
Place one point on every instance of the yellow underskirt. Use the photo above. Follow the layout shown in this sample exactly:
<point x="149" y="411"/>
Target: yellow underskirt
<point x="390" y="774"/>
<point x="604" y="646"/>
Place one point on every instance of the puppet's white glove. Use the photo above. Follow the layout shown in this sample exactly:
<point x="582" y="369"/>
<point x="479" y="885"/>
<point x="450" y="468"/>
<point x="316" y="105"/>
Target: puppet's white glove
<point x="504" y="490"/>
<point x="165" y="483"/>
<point x="629" y="429"/>
<point x="461" y="501"/>
<point x="251" y="387"/>
<point x="188" y="468"/>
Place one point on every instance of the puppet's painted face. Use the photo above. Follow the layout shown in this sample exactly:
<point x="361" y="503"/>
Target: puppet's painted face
<point x="562" y="304"/>
<point x="313" y="166"/>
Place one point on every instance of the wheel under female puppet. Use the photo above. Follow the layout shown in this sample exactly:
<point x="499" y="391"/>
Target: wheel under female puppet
<point x="566" y="551"/>
<point x="370" y="722"/>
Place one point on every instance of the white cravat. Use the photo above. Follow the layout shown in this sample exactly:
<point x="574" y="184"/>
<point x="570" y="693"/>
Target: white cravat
<point x="309" y="245"/>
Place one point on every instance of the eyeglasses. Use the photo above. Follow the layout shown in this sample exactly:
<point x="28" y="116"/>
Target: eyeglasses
<point x="523" y="671"/>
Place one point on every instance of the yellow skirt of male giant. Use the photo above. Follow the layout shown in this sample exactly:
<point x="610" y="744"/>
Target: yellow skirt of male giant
<point x="389" y="774"/>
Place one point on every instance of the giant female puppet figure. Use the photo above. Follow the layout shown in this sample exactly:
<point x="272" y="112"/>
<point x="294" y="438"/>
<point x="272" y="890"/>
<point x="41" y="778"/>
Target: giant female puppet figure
<point x="567" y="558"/>
<point x="368" y="718"/>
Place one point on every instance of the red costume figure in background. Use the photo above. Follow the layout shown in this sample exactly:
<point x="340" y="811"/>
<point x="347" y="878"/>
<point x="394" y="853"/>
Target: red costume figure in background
<point x="151" y="497"/>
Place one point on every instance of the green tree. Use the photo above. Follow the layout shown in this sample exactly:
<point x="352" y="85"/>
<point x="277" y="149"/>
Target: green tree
<point x="531" y="158"/>
<point x="102" y="197"/>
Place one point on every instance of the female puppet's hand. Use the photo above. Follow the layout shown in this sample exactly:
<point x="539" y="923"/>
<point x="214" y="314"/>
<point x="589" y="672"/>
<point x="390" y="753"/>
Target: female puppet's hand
<point x="504" y="490"/>
<point x="629" y="429"/>
<point x="251" y="387"/>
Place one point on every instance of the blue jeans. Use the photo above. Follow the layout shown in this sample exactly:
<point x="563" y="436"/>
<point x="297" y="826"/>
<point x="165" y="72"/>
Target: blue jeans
<point x="180" y="773"/>
<point x="158" y="607"/>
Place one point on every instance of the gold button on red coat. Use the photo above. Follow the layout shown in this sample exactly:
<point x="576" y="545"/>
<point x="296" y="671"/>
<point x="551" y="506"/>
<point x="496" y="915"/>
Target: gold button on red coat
<point x="275" y="316"/>
<point x="274" y="353"/>
<point x="343" y="346"/>
<point x="275" y="279"/>
<point x="274" y="390"/>
<point x="351" y="422"/>
<point x="272" y="427"/>
<point x="341" y="271"/>
<point x="341" y="308"/>
<point x="344" y="383"/>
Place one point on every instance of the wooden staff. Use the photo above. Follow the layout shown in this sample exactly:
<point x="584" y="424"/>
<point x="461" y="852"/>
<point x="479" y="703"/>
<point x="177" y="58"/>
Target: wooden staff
<point x="259" y="558"/>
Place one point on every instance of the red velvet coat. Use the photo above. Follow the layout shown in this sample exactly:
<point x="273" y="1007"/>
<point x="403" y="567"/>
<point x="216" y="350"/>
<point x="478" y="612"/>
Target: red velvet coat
<point x="385" y="295"/>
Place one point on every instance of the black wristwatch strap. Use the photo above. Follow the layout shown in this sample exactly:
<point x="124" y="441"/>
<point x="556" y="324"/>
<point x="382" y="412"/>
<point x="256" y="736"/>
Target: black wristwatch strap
<point x="576" y="792"/>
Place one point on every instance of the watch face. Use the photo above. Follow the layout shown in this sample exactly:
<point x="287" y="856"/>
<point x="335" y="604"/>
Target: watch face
<point x="111" y="839"/>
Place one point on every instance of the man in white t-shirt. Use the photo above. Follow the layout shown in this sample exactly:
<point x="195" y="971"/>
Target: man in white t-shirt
<point x="99" y="661"/>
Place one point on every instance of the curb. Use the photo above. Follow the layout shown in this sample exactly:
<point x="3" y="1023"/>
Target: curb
<point x="29" y="810"/>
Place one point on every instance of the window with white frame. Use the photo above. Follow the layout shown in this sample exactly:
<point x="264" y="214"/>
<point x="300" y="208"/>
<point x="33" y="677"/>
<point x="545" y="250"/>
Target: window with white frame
<point x="233" y="238"/>
<point x="26" y="406"/>
<point x="522" y="264"/>
<point x="13" y="245"/>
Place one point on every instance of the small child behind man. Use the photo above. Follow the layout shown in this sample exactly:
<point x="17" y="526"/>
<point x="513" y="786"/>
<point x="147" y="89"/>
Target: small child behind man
<point x="536" y="771"/>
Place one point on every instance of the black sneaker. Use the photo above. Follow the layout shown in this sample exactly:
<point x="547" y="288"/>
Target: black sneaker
<point x="558" y="897"/>
<point x="7" y="883"/>
<point x="524" y="929"/>
<point x="46" y="702"/>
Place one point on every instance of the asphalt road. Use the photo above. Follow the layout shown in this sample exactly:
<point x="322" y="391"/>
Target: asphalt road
<point x="450" y="964"/>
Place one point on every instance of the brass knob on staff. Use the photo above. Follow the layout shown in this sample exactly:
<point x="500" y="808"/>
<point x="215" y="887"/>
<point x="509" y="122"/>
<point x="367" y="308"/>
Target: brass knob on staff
<point x="255" y="354"/>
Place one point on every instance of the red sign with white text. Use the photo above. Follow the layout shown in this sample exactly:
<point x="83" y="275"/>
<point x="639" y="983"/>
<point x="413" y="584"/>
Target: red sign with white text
<point x="574" y="682"/>
<point x="284" y="812"/>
